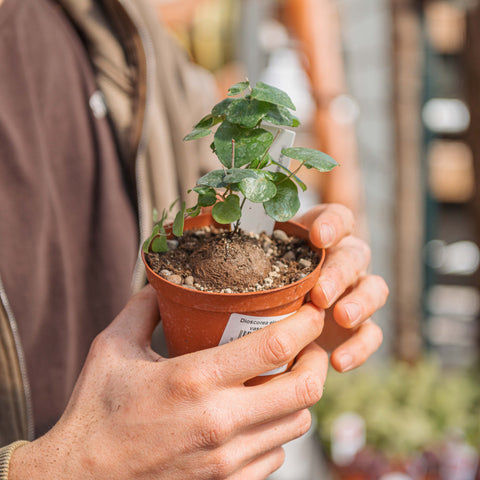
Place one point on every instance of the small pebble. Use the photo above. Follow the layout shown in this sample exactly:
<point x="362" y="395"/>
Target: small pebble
<point x="289" y="256"/>
<point x="305" y="263"/>
<point x="280" y="235"/>
<point x="172" y="244"/>
<point x="189" y="281"/>
<point x="191" y="287"/>
<point x="165" y="273"/>
<point x="176" y="279"/>
<point x="228" y="290"/>
<point x="302" y="275"/>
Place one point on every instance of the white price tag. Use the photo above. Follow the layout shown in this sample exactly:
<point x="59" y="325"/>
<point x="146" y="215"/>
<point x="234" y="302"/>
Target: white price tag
<point x="254" y="218"/>
<point x="239" y="325"/>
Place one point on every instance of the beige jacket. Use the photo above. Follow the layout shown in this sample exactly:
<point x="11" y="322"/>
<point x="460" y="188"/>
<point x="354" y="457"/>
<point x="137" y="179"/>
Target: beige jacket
<point x="154" y="96"/>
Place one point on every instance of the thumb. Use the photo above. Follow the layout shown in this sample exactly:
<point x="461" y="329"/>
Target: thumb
<point x="138" y="319"/>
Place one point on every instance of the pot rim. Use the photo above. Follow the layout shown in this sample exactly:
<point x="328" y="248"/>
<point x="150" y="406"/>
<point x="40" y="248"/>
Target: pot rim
<point x="320" y="251"/>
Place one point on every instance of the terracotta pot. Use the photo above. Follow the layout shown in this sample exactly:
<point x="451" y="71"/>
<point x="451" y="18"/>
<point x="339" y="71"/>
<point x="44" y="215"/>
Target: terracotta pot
<point x="194" y="320"/>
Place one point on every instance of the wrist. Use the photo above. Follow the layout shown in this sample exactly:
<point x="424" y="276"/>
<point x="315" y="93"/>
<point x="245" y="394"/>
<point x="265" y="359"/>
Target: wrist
<point x="6" y="454"/>
<point x="37" y="460"/>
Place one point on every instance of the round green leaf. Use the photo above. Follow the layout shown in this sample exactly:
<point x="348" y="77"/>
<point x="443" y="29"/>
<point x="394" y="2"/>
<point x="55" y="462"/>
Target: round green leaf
<point x="235" y="175"/>
<point x="194" y="211"/>
<point x="212" y="179"/>
<point x="264" y="161"/>
<point x="197" y="133"/>
<point x="208" y="121"/>
<point x="249" y="144"/>
<point x="207" y="199"/>
<point x="258" y="190"/>
<point x="227" y="211"/>
<point x="312" y="158"/>
<point x="279" y="115"/>
<point x="270" y="94"/>
<point x="285" y="204"/>
<point x="247" y="111"/>
<point x="238" y="88"/>
<point x="221" y="107"/>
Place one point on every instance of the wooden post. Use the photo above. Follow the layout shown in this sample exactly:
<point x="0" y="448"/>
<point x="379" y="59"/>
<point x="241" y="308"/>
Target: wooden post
<point x="407" y="89"/>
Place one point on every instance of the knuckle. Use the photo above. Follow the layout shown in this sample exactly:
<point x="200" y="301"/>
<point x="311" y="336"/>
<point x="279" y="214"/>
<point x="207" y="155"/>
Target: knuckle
<point x="279" y="347"/>
<point x="382" y="286"/>
<point x="103" y="344"/>
<point x="309" y="390"/>
<point x="279" y="457"/>
<point x="222" y="464"/>
<point x="365" y="251"/>
<point x="304" y="421"/>
<point x="377" y="335"/>
<point x="186" y="383"/>
<point x="344" y="216"/>
<point x="215" y="429"/>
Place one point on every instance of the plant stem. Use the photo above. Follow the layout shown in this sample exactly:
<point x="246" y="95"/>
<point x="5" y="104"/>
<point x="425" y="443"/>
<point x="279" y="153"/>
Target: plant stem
<point x="292" y="173"/>
<point x="237" y="223"/>
<point x="233" y="153"/>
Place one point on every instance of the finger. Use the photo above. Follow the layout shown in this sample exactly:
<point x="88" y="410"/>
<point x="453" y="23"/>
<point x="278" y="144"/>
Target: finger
<point x="290" y="392"/>
<point x="137" y="321"/>
<point x="264" y="350"/>
<point x="265" y="437"/>
<point x="367" y="297"/>
<point x="328" y="224"/>
<point x="261" y="467"/>
<point x="343" y="266"/>
<point x="354" y="351"/>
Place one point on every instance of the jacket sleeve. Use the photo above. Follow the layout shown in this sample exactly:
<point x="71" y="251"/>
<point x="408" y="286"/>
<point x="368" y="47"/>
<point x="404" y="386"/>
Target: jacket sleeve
<point x="5" y="455"/>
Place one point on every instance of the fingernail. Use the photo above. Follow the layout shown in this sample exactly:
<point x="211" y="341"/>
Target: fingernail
<point x="329" y="290"/>
<point x="345" y="362"/>
<point x="327" y="234"/>
<point x="353" y="312"/>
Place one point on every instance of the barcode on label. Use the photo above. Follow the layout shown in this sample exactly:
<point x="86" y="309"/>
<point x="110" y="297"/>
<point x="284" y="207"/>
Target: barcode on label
<point x="242" y="333"/>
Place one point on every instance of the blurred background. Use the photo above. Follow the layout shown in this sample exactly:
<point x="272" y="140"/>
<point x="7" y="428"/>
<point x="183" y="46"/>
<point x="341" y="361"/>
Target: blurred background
<point x="390" y="89"/>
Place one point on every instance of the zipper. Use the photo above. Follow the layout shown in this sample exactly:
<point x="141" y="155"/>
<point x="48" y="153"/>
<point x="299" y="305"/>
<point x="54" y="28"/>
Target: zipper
<point x="138" y="277"/>
<point x="21" y="361"/>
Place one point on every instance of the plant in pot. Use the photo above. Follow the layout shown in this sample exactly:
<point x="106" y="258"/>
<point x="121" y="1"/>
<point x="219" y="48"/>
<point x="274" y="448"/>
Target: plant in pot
<point x="222" y="274"/>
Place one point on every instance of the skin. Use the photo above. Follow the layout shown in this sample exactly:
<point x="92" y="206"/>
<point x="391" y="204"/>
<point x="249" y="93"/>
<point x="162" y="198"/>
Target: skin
<point x="134" y="414"/>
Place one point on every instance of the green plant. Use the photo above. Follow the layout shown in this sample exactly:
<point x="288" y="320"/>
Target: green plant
<point x="242" y="144"/>
<point x="406" y="408"/>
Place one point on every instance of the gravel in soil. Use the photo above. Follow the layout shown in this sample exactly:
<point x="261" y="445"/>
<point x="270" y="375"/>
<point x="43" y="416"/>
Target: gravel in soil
<point x="216" y="260"/>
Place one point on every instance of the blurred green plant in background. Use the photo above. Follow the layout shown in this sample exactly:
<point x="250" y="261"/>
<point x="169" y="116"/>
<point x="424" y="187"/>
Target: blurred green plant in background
<point x="407" y="409"/>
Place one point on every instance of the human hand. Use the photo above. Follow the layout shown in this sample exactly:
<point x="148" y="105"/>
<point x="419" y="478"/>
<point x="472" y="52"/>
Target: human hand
<point x="349" y="295"/>
<point x="134" y="414"/>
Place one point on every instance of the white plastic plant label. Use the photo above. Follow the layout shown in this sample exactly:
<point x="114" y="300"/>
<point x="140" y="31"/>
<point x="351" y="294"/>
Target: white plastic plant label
<point x="254" y="218"/>
<point x="239" y="325"/>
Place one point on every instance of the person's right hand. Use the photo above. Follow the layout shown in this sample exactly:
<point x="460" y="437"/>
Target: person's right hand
<point x="136" y="415"/>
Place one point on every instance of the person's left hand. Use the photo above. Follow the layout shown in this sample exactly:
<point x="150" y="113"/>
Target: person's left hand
<point x="349" y="295"/>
